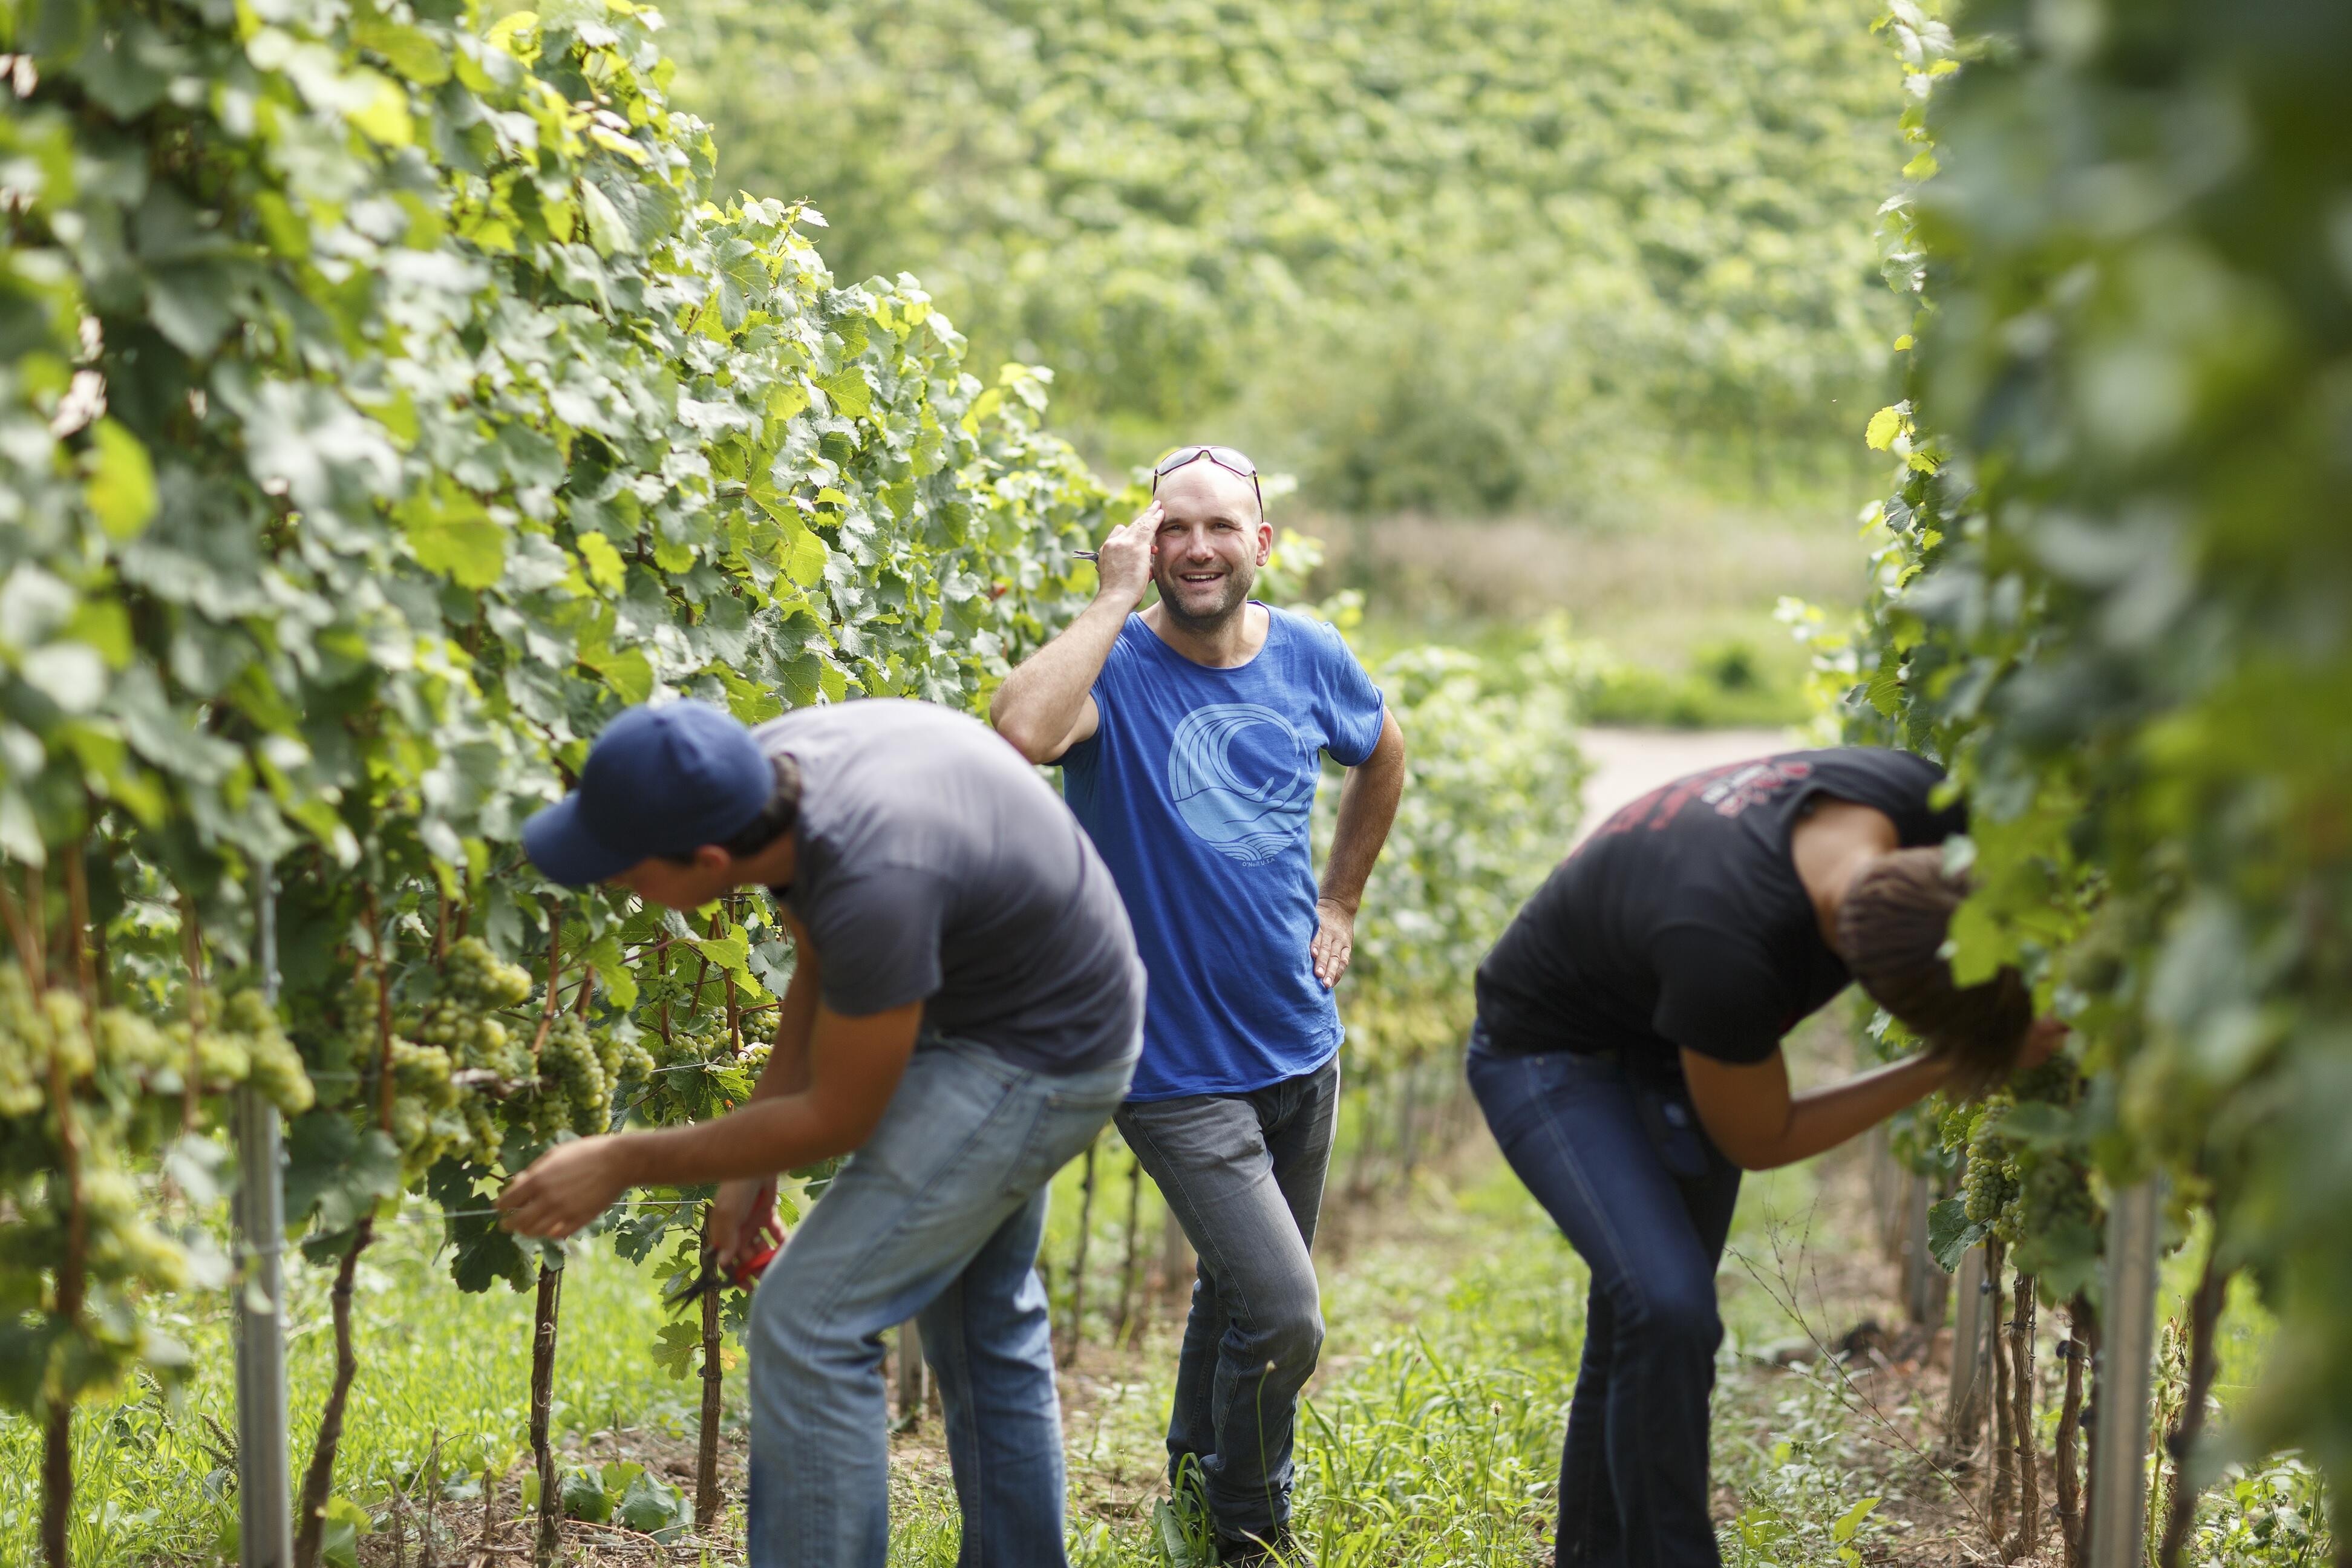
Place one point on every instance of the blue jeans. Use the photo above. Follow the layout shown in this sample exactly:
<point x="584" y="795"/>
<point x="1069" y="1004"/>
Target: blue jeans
<point x="1620" y="1162"/>
<point x="1244" y="1175"/>
<point x="938" y="1217"/>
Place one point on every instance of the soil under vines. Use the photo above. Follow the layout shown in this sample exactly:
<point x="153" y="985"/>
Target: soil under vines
<point x="1882" y="1387"/>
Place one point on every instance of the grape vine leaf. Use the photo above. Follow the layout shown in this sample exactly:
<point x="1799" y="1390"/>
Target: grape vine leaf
<point x="653" y="1506"/>
<point x="1949" y="1233"/>
<point x="677" y="1347"/>
<point x="338" y="1170"/>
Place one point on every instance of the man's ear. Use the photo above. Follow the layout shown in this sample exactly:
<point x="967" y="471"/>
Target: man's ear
<point x="1264" y="542"/>
<point x="713" y="859"/>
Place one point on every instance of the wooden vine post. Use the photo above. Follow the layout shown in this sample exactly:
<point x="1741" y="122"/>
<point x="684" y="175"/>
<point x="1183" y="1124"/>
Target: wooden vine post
<point x="1923" y="1277"/>
<point x="2028" y="1534"/>
<point x="1079" y="1263"/>
<point x="706" y="1455"/>
<point x="2118" y="1502"/>
<point x="2081" y="1340"/>
<point x="910" y="1359"/>
<point x="1128" y="1264"/>
<point x="2004" y="1451"/>
<point x="542" y="1406"/>
<point x="265" y="1517"/>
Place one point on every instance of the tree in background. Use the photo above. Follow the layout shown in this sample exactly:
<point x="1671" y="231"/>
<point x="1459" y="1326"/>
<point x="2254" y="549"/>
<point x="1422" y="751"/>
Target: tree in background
<point x="1464" y="259"/>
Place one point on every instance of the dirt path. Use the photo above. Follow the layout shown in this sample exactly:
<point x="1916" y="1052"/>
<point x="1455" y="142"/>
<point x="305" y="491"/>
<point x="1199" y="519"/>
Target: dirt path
<point x="1629" y="763"/>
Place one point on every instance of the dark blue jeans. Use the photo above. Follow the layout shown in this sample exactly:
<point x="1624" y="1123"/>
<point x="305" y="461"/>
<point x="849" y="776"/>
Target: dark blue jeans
<point x="1620" y="1162"/>
<point x="1244" y="1173"/>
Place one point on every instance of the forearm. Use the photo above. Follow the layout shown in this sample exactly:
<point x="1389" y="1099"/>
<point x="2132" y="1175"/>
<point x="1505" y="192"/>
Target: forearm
<point x="779" y="1133"/>
<point x="1821" y="1118"/>
<point x="1368" y="808"/>
<point x="1041" y="702"/>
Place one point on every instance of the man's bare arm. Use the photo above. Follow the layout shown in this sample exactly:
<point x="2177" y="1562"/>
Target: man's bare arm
<point x="1047" y="705"/>
<point x="1368" y="807"/>
<point x="1749" y="1112"/>
<point x="854" y="1066"/>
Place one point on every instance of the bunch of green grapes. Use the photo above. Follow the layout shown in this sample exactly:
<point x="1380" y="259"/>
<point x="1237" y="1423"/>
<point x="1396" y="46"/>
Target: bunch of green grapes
<point x="119" y="1246"/>
<point x="578" y="1074"/>
<point x="428" y="1120"/>
<point x="2053" y="1211"/>
<point x="274" y="1066"/>
<point x="24" y="1048"/>
<point x="475" y="986"/>
<point x="1989" y="1185"/>
<point x="241" y="1044"/>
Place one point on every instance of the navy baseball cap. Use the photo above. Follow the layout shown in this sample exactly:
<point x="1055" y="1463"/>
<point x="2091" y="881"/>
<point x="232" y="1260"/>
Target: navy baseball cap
<point x="659" y="781"/>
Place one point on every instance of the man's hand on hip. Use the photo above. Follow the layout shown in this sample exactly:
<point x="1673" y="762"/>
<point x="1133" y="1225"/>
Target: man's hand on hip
<point x="1335" y="941"/>
<point x="1125" y="559"/>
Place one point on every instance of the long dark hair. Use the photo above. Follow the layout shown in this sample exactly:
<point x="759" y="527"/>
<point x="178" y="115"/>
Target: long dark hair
<point x="1892" y="926"/>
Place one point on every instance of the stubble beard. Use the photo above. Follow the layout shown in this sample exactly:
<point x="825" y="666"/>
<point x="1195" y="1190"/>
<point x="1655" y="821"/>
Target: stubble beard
<point x="1237" y="586"/>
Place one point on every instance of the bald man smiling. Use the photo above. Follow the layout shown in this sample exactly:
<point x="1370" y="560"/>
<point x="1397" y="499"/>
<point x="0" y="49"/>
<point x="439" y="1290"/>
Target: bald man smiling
<point x="1190" y="737"/>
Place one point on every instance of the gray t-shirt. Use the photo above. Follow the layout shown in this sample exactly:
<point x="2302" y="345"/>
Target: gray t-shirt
<point x="937" y="867"/>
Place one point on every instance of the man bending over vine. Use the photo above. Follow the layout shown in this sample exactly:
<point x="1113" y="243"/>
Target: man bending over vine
<point x="963" y="1016"/>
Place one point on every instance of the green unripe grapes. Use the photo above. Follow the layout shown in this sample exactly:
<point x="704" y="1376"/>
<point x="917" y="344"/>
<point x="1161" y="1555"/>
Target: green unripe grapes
<point x="1989" y="1185"/>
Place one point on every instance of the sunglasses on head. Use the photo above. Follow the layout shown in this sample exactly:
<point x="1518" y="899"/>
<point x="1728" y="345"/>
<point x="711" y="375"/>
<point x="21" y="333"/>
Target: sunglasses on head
<point x="1225" y="457"/>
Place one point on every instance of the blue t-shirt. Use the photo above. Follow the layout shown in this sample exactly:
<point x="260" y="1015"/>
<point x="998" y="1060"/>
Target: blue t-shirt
<point x="1196" y="788"/>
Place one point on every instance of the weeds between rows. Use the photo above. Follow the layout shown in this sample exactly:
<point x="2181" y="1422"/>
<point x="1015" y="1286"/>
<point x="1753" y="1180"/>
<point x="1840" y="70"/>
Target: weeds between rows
<point x="1431" y="1436"/>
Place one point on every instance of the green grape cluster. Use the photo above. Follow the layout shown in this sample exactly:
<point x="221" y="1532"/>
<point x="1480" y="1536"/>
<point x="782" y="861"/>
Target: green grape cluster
<point x="429" y="1109"/>
<point x="240" y="1043"/>
<point x="578" y="1073"/>
<point x="475" y="986"/>
<point x="274" y="1066"/>
<point x="119" y="1246"/>
<point x="2053" y="1201"/>
<point x="1989" y="1185"/>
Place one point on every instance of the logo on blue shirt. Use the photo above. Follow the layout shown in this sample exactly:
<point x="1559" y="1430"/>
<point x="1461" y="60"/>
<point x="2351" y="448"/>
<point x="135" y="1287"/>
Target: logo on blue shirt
<point x="1242" y="779"/>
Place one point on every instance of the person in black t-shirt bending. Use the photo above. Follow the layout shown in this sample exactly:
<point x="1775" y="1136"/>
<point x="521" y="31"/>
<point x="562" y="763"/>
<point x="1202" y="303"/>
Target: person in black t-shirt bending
<point x="1627" y="1056"/>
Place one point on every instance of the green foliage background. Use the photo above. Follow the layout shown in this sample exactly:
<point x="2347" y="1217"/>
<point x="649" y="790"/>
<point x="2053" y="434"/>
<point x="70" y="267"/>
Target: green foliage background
<point x="1467" y="257"/>
<point x="2115" y="591"/>
<point x="386" y="403"/>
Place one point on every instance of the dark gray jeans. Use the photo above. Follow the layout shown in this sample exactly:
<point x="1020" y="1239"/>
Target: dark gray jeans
<point x="1244" y="1173"/>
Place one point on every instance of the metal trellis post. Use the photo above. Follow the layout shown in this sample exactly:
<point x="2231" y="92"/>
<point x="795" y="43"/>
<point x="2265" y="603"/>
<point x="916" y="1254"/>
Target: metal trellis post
<point x="2126" y="1365"/>
<point x="265" y="1509"/>
<point x="1923" y="1277"/>
<point x="1971" y="1341"/>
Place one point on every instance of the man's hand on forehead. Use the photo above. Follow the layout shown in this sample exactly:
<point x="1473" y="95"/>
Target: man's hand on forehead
<point x="1126" y="557"/>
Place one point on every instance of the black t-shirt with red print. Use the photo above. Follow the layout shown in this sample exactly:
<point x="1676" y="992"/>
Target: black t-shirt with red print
<point x="1682" y="923"/>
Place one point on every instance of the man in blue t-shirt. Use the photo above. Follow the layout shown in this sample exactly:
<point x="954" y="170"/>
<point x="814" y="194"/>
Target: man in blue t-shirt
<point x="1190" y="737"/>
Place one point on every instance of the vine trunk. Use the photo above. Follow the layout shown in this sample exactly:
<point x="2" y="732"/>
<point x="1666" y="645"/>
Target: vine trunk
<point x="311" y="1514"/>
<point x="542" y="1404"/>
<point x="2204" y="1316"/>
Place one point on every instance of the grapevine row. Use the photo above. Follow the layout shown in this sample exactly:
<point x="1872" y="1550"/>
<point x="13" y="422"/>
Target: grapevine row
<point x="2110" y="595"/>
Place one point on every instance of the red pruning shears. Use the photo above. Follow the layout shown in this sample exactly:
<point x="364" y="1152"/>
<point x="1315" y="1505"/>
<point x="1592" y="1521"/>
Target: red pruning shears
<point x="742" y="1274"/>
